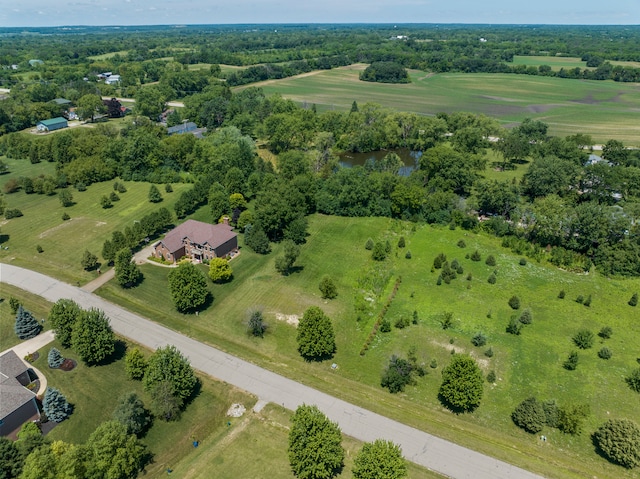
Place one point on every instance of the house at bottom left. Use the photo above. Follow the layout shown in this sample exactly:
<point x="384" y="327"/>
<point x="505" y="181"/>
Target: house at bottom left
<point x="17" y="403"/>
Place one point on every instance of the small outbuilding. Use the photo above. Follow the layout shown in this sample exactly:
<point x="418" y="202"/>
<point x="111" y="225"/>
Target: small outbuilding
<point x="52" y="124"/>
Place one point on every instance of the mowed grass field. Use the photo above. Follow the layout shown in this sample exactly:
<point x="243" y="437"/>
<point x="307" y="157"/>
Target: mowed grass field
<point x="64" y="242"/>
<point x="525" y="365"/>
<point x="604" y="109"/>
<point x="563" y="62"/>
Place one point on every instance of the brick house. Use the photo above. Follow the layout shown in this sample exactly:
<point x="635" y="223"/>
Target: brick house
<point x="197" y="240"/>
<point x="17" y="403"/>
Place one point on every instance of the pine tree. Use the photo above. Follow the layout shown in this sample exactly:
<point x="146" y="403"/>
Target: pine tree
<point x="26" y="326"/>
<point x="54" y="358"/>
<point x="55" y="405"/>
<point x="154" y="194"/>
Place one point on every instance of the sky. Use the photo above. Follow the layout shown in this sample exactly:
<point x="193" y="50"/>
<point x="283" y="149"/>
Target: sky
<point x="40" y="13"/>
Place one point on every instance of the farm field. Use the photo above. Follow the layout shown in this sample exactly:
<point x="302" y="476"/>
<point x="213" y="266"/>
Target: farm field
<point x="525" y="365"/>
<point x="604" y="109"/>
<point x="63" y="242"/>
<point x="563" y="62"/>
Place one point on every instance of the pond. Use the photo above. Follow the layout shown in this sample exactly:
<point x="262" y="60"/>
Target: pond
<point x="411" y="159"/>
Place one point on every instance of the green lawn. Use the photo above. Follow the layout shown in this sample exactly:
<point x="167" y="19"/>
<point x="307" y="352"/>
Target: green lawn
<point x="38" y="306"/>
<point x="258" y="443"/>
<point x="554" y="62"/>
<point x="604" y="109"/>
<point x="64" y="242"/>
<point x="94" y="391"/>
<point x="526" y="365"/>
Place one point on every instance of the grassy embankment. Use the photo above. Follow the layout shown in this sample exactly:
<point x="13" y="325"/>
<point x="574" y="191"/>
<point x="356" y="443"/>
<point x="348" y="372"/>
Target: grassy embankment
<point x="604" y="109"/>
<point x="530" y="364"/>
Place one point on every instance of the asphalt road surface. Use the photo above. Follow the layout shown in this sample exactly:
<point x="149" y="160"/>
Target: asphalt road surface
<point x="417" y="446"/>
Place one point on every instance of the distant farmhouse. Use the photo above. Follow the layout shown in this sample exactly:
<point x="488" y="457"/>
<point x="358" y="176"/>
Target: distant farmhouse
<point x="17" y="403"/>
<point x="197" y="240"/>
<point x="52" y="124"/>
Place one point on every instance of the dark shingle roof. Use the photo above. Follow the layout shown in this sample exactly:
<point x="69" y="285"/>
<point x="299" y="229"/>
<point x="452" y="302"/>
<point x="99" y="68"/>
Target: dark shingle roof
<point x="12" y="393"/>
<point x="198" y="232"/>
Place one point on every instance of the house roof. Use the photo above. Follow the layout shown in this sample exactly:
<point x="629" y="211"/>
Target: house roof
<point x="61" y="101"/>
<point x="12" y="393"/>
<point x="53" y="121"/>
<point x="198" y="232"/>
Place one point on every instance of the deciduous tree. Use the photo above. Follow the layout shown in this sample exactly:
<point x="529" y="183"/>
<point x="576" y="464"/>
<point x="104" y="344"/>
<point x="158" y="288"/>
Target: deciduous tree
<point x="135" y="364"/>
<point x="462" y="384"/>
<point x="315" y="445"/>
<point x="188" y="288"/>
<point x="114" y="454"/>
<point x="92" y="337"/>
<point x="169" y="364"/>
<point x="219" y="270"/>
<point x="379" y="460"/>
<point x="127" y="272"/>
<point x="62" y="316"/>
<point x="316" y="339"/>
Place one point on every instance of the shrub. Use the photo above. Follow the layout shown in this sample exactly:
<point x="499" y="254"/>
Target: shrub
<point x="256" y="326"/>
<point x="491" y="377"/>
<point x="571" y="418"/>
<point x="65" y="216"/>
<point x="633" y="380"/>
<point x="401" y="242"/>
<point x="583" y="339"/>
<point x="489" y="353"/>
<point x="14" y="304"/>
<point x="114" y="196"/>
<point x="551" y="412"/>
<point x="491" y="279"/>
<point x="514" y="326"/>
<point x="39" y="249"/>
<point x="514" y="302"/>
<point x="385" y="326"/>
<point x="402" y="322"/>
<point x="433" y="364"/>
<point x="469" y="277"/>
<point x="439" y="280"/>
<point x="105" y="202"/>
<point x="369" y="244"/>
<point x="475" y="256"/>
<point x="619" y="441"/>
<point x="328" y="288"/>
<point x="523" y="262"/>
<point x="408" y="254"/>
<point x="529" y="415"/>
<point x="54" y="358"/>
<point x="12" y="213"/>
<point x="397" y="374"/>
<point x="462" y="244"/>
<point x="447" y="320"/>
<point x="479" y="340"/>
<point x="580" y="299"/>
<point x="379" y="253"/>
<point x="439" y="260"/>
<point x="572" y="361"/>
<point x="490" y="261"/>
<point x="561" y="294"/>
<point x="81" y="187"/>
<point x="168" y="188"/>
<point x="605" y="353"/>
<point x="526" y="317"/>
<point x="587" y="302"/>
<point x="605" y="332"/>
<point x="414" y="319"/>
<point x="634" y="300"/>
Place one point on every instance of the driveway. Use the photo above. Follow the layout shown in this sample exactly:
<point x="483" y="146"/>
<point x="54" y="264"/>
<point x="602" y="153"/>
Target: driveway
<point x="31" y="346"/>
<point x="424" y="449"/>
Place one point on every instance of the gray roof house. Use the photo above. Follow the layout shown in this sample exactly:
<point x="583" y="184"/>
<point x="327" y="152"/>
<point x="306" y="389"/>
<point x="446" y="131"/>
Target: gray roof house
<point x="198" y="240"/>
<point x="17" y="403"/>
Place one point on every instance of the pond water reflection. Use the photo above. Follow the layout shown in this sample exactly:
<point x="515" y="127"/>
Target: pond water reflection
<point x="410" y="159"/>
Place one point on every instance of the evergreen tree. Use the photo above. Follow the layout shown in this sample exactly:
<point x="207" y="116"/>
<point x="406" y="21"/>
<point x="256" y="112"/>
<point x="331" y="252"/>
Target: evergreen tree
<point x="256" y="325"/>
<point x="55" y="405"/>
<point x="154" y="194"/>
<point x="316" y="339"/>
<point x="26" y="326"/>
<point x="54" y="358"/>
<point x="256" y="239"/>
<point x="315" y="444"/>
<point x="328" y="288"/>
<point x="619" y="441"/>
<point x="130" y="411"/>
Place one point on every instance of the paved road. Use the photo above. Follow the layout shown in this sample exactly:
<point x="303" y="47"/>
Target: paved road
<point x="424" y="449"/>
